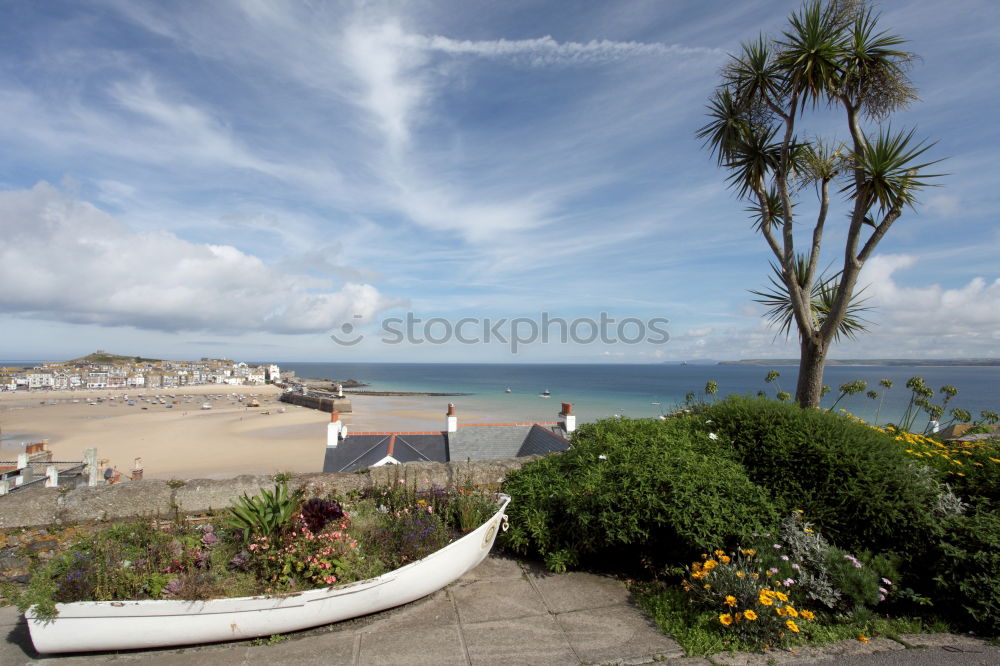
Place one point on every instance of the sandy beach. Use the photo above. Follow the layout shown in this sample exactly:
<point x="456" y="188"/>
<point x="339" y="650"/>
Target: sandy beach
<point x="185" y="441"/>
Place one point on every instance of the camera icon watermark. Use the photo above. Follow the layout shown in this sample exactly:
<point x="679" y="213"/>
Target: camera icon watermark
<point x="516" y="332"/>
<point x="347" y="336"/>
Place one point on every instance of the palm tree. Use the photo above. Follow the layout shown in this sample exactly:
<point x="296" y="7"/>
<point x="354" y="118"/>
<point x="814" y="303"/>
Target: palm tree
<point x="831" y="54"/>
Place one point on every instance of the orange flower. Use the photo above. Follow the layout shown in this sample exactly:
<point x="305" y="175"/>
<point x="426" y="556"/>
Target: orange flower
<point x="863" y="638"/>
<point x="791" y="625"/>
<point x="807" y="615"/>
<point x="724" y="559"/>
<point x="726" y="619"/>
<point x="730" y="600"/>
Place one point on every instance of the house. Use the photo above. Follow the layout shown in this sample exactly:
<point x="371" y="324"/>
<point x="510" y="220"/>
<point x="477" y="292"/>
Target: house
<point x="472" y="441"/>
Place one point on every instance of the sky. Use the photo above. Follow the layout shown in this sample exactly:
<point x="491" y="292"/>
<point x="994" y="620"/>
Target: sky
<point x="292" y="181"/>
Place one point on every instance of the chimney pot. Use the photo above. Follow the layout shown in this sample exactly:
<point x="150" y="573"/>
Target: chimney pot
<point x="334" y="416"/>
<point x="451" y="409"/>
<point x="567" y="408"/>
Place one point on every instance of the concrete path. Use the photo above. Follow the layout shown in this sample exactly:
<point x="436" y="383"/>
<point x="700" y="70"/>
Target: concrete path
<point x="503" y="612"/>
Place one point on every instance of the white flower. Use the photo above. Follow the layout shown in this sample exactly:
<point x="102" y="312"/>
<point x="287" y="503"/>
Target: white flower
<point x="708" y="421"/>
<point x="602" y="457"/>
<point x="712" y="435"/>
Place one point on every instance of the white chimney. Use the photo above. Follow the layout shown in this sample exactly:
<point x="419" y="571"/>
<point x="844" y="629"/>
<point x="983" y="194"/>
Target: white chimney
<point x="451" y="423"/>
<point x="335" y="430"/>
<point x="569" y="419"/>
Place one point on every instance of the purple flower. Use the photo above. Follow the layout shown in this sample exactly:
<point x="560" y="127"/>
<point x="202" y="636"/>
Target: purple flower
<point x="209" y="538"/>
<point x="788" y="582"/>
<point x="795" y="566"/>
<point x="772" y="570"/>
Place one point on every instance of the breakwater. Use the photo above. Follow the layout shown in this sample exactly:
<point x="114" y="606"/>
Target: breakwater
<point x="322" y="402"/>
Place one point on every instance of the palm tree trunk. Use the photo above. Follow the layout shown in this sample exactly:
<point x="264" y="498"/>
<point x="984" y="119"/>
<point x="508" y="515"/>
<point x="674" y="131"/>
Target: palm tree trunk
<point x="812" y="360"/>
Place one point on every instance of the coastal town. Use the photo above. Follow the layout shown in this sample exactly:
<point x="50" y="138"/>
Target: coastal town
<point x="101" y="370"/>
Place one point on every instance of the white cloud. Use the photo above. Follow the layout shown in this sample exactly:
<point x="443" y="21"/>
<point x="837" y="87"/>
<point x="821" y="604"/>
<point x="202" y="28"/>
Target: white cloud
<point x="66" y="260"/>
<point x="928" y="315"/>
<point x="547" y="51"/>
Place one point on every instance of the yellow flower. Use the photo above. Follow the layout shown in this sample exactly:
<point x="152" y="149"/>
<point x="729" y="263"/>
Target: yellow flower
<point x="781" y="611"/>
<point x="707" y="587"/>
<point x="766" y="601"/>
<point x="862" y="638"/>
<point x="781" y="596"/>
<point x="724" y="559"/>
<point x="740" y="574"/>
<point x="791" y="625"/>
<point x="719" y="552"/>
<point x="791" y="611"/>
<point x="726" y="619"/>
<point x="750" y="615"/>
<point x="710" y="564"/>
<point x="696" y="566"/>
<point x="730" y="600"/>
<point x="807" y="615"/>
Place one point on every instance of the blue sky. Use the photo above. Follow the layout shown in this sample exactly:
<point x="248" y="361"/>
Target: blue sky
<point x="188" y="179"/>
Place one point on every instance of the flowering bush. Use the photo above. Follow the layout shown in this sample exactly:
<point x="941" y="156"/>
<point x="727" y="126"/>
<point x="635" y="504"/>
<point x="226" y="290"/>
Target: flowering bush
<point x="750" y="605"/>
<point x="822" y="574"/>
<point x="303" y="557"/>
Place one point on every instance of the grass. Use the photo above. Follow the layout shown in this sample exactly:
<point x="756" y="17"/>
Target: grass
<point x="698" y="634"/>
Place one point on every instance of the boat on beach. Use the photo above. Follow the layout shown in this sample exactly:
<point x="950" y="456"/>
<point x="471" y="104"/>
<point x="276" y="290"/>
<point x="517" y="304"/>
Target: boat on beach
<point x="93" y="626"/>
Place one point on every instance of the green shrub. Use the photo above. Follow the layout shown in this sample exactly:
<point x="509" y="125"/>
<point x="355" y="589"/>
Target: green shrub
<point x="631" y="492"/>
<point x="965" y="568"/>
<point x="852" y="481"/>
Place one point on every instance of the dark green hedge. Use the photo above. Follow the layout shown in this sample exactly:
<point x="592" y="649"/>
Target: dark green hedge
<point x="853" y="482"/>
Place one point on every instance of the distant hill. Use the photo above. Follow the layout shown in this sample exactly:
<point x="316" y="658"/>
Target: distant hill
<point x="924" y="362"/>
<point x="101" y="356"/>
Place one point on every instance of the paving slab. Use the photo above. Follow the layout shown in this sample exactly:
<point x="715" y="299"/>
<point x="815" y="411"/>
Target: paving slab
<point x="309" y="651"/>
<point x="426" y="633"/>
<point x="495" y="567"/>
<point x="617" y="634"/>
<point x="494" y="600"/>
<point x="576" y="590"/>
<point x="528" y="640"/>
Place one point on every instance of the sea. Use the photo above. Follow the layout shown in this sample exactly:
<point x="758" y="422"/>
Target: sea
<point x="601" y="391"/>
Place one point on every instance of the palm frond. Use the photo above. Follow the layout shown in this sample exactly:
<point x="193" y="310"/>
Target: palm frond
<point x="725" y="127"/>
<point x="823" y="295"/>
<point x="890" y="173"/>
<point x="811" y="51"/>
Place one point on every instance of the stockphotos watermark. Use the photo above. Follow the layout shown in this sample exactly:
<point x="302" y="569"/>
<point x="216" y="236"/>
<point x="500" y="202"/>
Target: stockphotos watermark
<point x="515" y="332"/>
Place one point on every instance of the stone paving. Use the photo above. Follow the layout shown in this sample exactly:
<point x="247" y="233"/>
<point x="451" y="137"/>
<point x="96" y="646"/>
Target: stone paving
<point x="503" y="612"/>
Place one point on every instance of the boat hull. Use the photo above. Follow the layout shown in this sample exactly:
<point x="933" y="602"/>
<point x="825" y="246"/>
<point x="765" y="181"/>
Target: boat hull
<point x="89" y="626"/>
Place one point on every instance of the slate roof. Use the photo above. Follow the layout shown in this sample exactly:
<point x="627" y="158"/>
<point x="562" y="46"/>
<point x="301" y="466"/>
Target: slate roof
<point x="363" y="450"/>
<point x="470" y="442"/>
